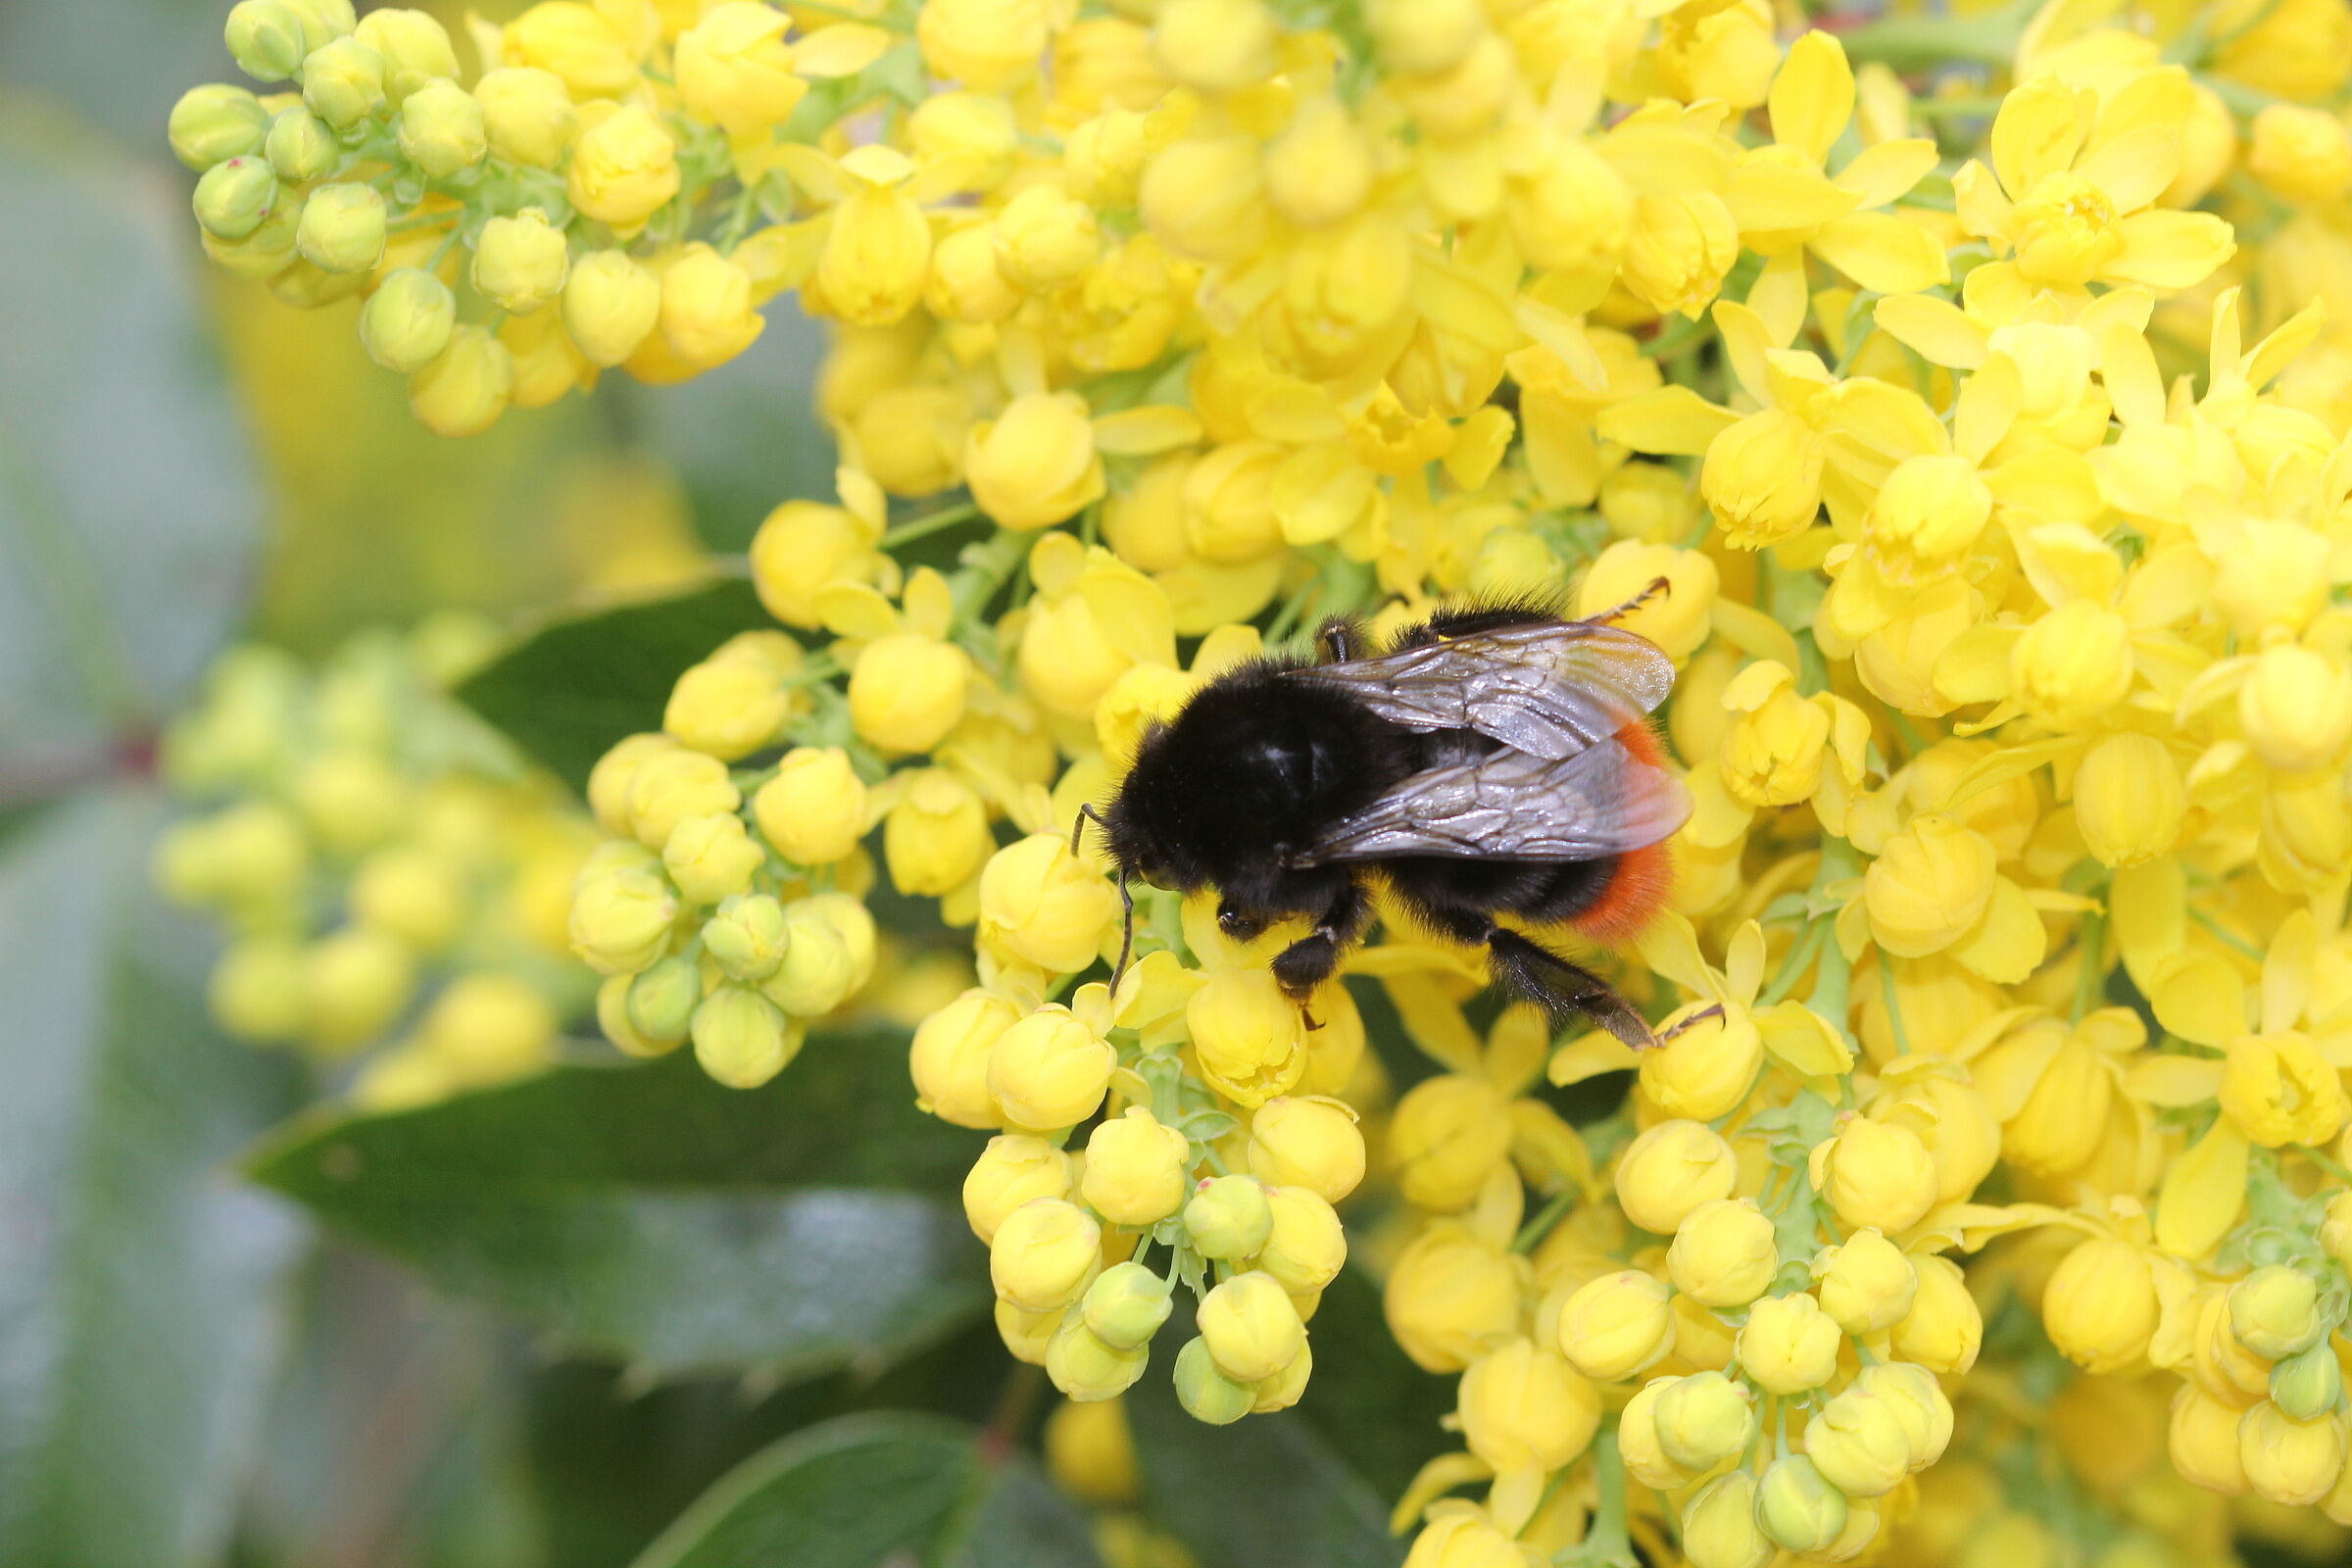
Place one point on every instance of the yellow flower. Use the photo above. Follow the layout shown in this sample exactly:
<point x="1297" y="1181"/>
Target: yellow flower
<point x="879" y="250"/>
<point x="2303" y="154"/>
<point x="2280" y="1090"/>
<point x="1135" y="1169"/>
<point x="1034" y="464"/>
<point x="624" y="168"/>
<point x="1614" y="1326"/>
<point x="1525" y="1408"/>
<point x="734" y="69"/>
<point x="528" y="115"/>
<point x="2100" y="1305"/>
<point x="1049" y="1070"/>
<point x="576" y="44"/>
<point x="1247" y="1035"/>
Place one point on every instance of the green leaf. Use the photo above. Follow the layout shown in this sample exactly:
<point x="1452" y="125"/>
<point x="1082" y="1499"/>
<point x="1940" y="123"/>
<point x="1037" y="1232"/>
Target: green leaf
<point x="584" y="681"/>
<point x="885" y="1488"/>
<point x="1370" y="1404"/>
<point x="127" y="512"/>
<point x="1268" y="1491"/>
<point x="141" y="1286"/>
<point x="645" y="1212"/>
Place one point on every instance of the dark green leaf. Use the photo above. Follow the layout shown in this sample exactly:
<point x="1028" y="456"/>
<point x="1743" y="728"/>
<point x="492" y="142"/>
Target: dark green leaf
<point x="884" y="1488"/>
<point x="581" y="682"/>
<point x="141" y="1286"/>
<point x="127" y="512"/>
<point x="1268" y="1491"/>
<point x="1375" y="1410"/>
<point x="645" y="1212"/>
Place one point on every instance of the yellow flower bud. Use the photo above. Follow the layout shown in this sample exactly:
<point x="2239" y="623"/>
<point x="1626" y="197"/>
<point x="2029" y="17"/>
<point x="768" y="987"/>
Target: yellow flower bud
<point x="2288" y="1461"/>
<point x="414" y="893"/>
<point x="734" y="69"/>
<point x="1207" y="1393"/>
<point x="1311" y="1141"/>
<point x="746" y="937"/>
<point x="907" y="690"/>
<point x="1928" y="886"/>
<point x="1034" y="464"/>
<point x="668" y="787"/>
<point x="1614" y="1326"/>
<point x="624" y="168"/>
<point x="1251" y="1328"/>
<point x="342" y="228"/>
<point x="1670" y="1170"/>
<point x="214" y="123"/>
<point x="1135" y="1169"/>
<point x="948" y="1059"/>
<point x="741" y="1039"/>
<point x="1703" y="1420"/>
<point x="2335" y="1230"/>
<point x="1201" y="198"/>
<point x="988" y="46"/>
<point x="1451" y="1298"/>
<point x="235" y="197"/>
<point x="466" y="386"/>
<point x="2275" y="1312"/>
<point x="1246" y="1034"/>
<point x="1789" y="1344"/>
<point x="266" y="38"/>
<point x="2303" y="154"/>
<point x="2100" y="1305"/>
<point x="1727" y="54"/>
<point x="1709" y="1068"/>
<point x="1719" y="1525"/>
<point x="1012" y="1170"/>
<point x="527" y="115"/>
<point x="1877" y="1173"/>
<point x="2274" y="573"/>
<point x="1945" y="1327"/>
<point x="1305" y="1245"/>
<point x="1044" y="238"/>
<point x="489" y="1027"/>
<point x="706" y="314"/>
<point x="2296" y="707"/>
<point x="936" y="837"/>
<point x="1229" y="1217"/>
<point x="2202" y="1440"/>
<point x="343" y="83"/>
<point x="729" y="709"/>
<point x="967" y="283"/>
<point x="1858" y="1444"/>
<point x="1126" y="1306"/>
<point x="1762" y="479"/>
<point x="356" y="982"/>
<point x="520" y="261"/>
<point x="2129" y="800"/>
<point x="1049" y="1070"/>
<point x="1229" y="515"/>
<point x="610" y="306"/>
<point x="1572" y="213"/>
<point x="657" y="1006"/>
<point x="819" y="970"/>
<point x="1797" y="1507"/>
<point x="1773" y="754"/>
<point x="1044" y="905"/>
<point x="415" y="48"/>
<point x="1287" y="1386"/>
<point x="1214" y="45"/>
<point x="300" y="145"/>
<point x="876" y="258"/>
<point x="813" y="813"/>
<point x="1724" y="1253"/>
<point x="2073" y="664"/>
<point x="1525" y="1408"/>
<point x="259" y="989"/>
<point x="1319" y="171"/>
<point x="407" y="321"/>
<point x="1044" y="1255"/>
<point x="2280" y="1090"/>
<point x="1918" y="1400"/>
<point x="622" y="923"/>
<point x="1866" y="1284"/>
<point x="1085" y="1366"/>
<point x="1027" y="1335"/>
<point x="2308" y="1385"/>
<point x="576" y="44"/>
<point x="1926" y="518"/>
<point x="610" y="781"/>
<point x="442" y="129"/>
<point x="1450" y="1133"/>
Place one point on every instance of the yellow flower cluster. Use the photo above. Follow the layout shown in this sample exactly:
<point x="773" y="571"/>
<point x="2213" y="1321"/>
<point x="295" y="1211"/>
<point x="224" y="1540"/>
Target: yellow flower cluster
<point x="388" y="875"/>
<point x="1992" y="443"/>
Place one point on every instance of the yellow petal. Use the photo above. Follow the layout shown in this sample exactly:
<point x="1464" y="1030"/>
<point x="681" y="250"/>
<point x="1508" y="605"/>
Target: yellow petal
<point x="1669" y="420"/>
<point x="2134" y="168"/>
<point x="1752" y="631"/>
<point x="2038" y="131"/>
<point x="841" y="50"/>
<point x="2288" y="970"/>
<point x="1978" y="201"/>
<point x="2173" y="1081"/>
<point x="1434" y="1021"/>
<point x="2200" y="998"/>
<point x="1812" y="95"/>
<point x="1941" y="331"/>
<point x="1143" y="431"/>
<point x="855" y="609"/>
<point x="1589" y="1056"/>
<point x="2203" y="1192"/>
<point x="1747" y="343"/>
<point x="1802" y="1041"/>
<point x="928" y="603"/>
<point x="2170" y="250"/>
<point x="2009" y="942"/>
<point x="1883" y="252"/>
<point x="1670" y="949"/>
<point x="1766" y="197"/>
<point x="1887" y="173"/>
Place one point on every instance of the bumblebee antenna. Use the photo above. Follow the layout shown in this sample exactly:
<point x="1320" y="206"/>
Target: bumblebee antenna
<point x="1087" y="813"/>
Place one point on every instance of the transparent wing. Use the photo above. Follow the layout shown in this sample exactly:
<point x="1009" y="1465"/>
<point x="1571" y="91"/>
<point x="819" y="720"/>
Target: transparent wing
<point x="1549" y="690"/>
<point x="1512" y="805"/>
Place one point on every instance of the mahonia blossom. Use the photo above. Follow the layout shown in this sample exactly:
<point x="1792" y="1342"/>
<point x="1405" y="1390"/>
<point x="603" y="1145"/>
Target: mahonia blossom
<point x="1993" y="444"/>
<point x="391" y="879"/>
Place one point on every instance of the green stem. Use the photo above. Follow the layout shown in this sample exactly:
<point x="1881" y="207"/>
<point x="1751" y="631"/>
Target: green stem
<point x="1606" y="1539"/>
<point x="1894" y="1007"/>
<point x="931" y="523"/>
<point x="1922" y="43"/>
<point x="1793" y="967"/>
<point x="1535" y="1230"/>
<point x="1836" y="972"/>
<point x="2091" y="973"/>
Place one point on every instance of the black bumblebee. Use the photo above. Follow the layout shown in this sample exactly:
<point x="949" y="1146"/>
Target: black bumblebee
<point x="1494" y="761"/>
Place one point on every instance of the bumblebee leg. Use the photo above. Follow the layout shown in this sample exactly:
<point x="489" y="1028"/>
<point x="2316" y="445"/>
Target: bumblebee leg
<point x="1240" y="925"/>
<point x="1657" y="586"/>
<point x="1339" y="639"/>
<point x="1532" y="972"/>
<point x="1315" y="957"/>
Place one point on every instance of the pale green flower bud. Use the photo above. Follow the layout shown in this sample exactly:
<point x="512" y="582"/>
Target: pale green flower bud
<point x="233" y="198"/>
<point x="1228" y="1217"/>
<point x="266" y="252"/>
<point x="441" y="129"/>
<point x="1086" y="1367"/>
<point x="1858" y="1444"/>
<point x="1252" y="1327"/>
<point x="610" y="305"/>
<point x="2275" y="1312"/>
<point x="818" y="972"/>
<point x="266" y="40"/>
<point x="662" y="1000"/>
<point x="343" y="83"/>
<point x="301" y="146"/>
<point x="414" y="47"/>
<point x="1797" y="1507"/>
<point x="1207" y="1393"/>
<point x="323" y="20"/>
<point x="529" y="115"/>
<point x="214" y="123"/>
<point x="1705" y="1419"/>
<point x="1126" y="1306"/>
<point x="407" y="321"/>
<point x="741" y="1039"/>
<point x="1719" y="1525"/>
<point x="1285" y="1388"/>
<point x="2308" y="1385"/>
<point x="342" y="228"/>
<point x="520" y="263"/>
<point x="1919" y="1403"/>
<point x="746" y="937"/>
